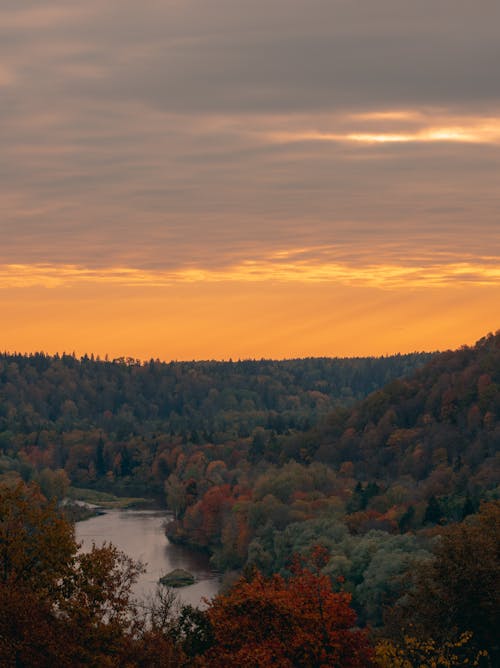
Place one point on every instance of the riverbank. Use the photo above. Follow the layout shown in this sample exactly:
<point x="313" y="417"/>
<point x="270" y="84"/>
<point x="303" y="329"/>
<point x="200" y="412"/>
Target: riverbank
<point x="106" y="500"/>
<point x="140" y="534"/>
<point x="82" y="503"/>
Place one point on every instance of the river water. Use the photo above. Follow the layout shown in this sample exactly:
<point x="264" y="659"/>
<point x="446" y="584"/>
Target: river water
<point x="140" y="534"/>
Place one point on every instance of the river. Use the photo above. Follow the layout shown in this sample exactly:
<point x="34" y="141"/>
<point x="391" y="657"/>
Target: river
<point x="140" y="534"/>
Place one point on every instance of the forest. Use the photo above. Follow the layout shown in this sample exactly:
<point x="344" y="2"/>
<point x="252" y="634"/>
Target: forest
<point x="111" y="424"/>
<point x="369" y="484"/>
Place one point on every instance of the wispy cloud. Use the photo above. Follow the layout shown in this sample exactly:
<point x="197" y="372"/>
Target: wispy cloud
<point x="287" y="266"/>
<point x="423" y="129"/>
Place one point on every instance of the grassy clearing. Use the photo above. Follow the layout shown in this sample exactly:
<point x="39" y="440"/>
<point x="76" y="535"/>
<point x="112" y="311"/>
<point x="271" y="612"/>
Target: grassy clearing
<point x="104" y="499"/>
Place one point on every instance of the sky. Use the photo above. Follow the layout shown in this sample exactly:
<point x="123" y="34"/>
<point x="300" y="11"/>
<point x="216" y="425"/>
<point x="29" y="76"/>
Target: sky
<point x="215" y="179"/>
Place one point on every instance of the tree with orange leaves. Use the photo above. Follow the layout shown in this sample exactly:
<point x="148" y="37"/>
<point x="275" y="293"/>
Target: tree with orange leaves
<point x="299" y="622"/>
<point x="62" y="608"/>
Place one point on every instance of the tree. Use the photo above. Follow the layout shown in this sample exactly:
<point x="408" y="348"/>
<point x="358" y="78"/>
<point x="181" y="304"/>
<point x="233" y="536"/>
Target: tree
<point x="433" y="512"/>
<point x="458" y="591"/>
<point x="414" y="652"/>
<point x="299" y="622"/>
<point x="100" y="463"/>
<point x="59" y="607"/>
<point x="37" y="546"/>
<point x="176" y="495"/>
<point x="54" y="484"/>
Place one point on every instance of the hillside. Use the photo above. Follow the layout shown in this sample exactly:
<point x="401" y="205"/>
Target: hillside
<point x="439" y="428"/>
<point x="373" y="483"/>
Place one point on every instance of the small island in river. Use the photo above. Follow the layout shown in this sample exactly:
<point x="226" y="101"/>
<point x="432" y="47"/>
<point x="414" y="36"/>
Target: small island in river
<point x="179" y="577"/>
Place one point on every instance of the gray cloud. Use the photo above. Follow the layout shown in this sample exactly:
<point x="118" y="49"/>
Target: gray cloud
<point x="135" y="133"/>
<point x="278" y="56"/>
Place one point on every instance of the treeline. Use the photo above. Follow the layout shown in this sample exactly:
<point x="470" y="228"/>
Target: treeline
<point x="62" y="607"/>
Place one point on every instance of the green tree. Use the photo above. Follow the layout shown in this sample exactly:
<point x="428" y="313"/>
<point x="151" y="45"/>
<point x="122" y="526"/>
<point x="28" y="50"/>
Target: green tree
<point x="433" y="512"/>
<point x="458" y="591"/>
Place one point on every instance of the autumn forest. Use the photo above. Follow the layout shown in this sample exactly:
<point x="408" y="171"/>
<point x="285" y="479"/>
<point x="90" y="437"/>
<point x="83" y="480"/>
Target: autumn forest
<point x="369" y="485"/>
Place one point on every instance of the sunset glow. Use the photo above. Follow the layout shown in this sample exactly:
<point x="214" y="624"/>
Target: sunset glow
<point x="466" y="131"/>
<point x="254" y="180"/>
<point x="275" y="268"/>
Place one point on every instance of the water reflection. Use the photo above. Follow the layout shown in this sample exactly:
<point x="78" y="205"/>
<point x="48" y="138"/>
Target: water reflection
<point x="140" y="534"/>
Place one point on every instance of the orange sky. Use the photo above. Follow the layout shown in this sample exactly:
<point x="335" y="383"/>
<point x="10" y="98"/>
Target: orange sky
<point x="278" y="319"/>
<point x="279" y="178"/>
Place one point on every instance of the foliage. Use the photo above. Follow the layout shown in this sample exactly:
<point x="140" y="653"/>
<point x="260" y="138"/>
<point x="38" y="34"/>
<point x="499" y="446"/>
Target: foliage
<point x="398" y="461"/>
<point x="62" y="607"/>
<point x="457" y="592"/>
<point x="372" y="566"/>
<point x="112" y="424"/>
<point x="37" y="546"/>
<point x="58" y="606"/>
<point x="414" y="653"/>
<point x="296" y="622"/>
<point x="438" y="429"/>
<point x="258" y="460"/>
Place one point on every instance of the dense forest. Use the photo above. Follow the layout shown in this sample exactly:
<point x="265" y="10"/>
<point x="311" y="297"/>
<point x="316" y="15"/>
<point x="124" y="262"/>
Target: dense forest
<point x="387" y="468"/>
<point x="110" y="424"/>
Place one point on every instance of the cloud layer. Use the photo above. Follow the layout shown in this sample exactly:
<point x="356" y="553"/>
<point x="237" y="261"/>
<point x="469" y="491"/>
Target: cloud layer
<point x="158" y="143"/>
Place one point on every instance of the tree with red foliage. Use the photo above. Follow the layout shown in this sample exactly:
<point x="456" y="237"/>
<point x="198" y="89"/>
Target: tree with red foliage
<point x="299" y="622"/>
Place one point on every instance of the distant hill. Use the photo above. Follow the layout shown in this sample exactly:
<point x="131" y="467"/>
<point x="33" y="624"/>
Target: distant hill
<point x="105" y="420"/>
